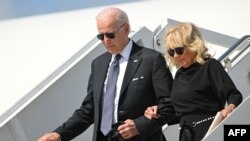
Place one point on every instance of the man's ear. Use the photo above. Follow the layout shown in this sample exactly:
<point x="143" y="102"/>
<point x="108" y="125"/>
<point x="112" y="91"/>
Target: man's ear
<point x="127" y="28"/>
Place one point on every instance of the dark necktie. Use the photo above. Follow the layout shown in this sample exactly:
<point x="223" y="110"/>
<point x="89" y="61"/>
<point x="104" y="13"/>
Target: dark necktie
<point x="109" y="96"/>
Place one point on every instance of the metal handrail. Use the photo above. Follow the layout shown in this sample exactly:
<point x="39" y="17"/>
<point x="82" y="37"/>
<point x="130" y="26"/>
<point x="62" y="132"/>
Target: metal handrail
<point x="234" y="46"/>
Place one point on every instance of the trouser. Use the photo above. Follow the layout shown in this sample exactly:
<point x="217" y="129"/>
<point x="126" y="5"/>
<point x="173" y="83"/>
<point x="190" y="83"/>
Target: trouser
<point x="101" y="137"/>
<point x="195" y="126"/>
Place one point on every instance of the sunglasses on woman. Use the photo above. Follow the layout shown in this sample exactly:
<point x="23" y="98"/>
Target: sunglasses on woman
<point x="177" y="50"/>
<point x="110" y="35"/>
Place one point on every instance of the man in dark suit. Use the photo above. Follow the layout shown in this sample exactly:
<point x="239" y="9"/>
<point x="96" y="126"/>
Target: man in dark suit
<point x="143" y="81"/>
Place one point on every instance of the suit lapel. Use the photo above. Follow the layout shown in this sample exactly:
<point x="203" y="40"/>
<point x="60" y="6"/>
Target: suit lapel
<point x="101" y="73"/>
<point x="133" y="64"/>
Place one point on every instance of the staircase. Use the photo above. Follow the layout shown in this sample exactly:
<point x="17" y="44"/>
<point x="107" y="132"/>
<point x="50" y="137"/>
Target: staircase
<point x="52" y="101"/>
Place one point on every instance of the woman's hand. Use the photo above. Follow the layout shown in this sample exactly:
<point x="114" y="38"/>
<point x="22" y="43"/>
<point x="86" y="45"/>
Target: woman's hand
<point x="151" y="112"/>
<point x="227" y="110"/>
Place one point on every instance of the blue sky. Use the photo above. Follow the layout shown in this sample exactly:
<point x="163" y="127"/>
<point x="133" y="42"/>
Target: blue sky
<point x="21" y="8"/>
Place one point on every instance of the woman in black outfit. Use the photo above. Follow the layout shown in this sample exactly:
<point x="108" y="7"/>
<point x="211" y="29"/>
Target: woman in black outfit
<point x="201" y="86"/>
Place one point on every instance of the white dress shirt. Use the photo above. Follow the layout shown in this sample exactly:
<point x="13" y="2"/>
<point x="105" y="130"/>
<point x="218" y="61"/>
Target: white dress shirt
<point x="122" y="68"/>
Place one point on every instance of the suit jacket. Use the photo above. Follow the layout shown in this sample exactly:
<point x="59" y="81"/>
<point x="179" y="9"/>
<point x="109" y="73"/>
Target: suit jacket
<point x="147" y="81"/>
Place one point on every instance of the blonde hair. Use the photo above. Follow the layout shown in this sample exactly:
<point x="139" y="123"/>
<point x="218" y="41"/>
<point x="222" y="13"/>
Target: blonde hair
<point x="185" y="34"/>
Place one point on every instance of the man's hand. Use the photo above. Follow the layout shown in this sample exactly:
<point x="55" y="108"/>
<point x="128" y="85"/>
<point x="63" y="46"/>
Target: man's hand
<point x="53" y="136"/>
<point x="128" y="129"/>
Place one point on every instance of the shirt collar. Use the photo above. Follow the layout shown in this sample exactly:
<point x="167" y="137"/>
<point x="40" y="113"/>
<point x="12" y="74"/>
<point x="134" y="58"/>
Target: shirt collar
<point x="126" y="51"/>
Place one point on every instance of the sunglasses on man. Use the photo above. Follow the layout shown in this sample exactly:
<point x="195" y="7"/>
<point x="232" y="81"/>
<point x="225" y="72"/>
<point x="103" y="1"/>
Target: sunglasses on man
<point x="110" y="35"/>
<point x="177" y="50"/>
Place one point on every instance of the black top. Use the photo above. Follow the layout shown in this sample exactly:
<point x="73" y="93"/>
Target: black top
<point x="203" y="89"/>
